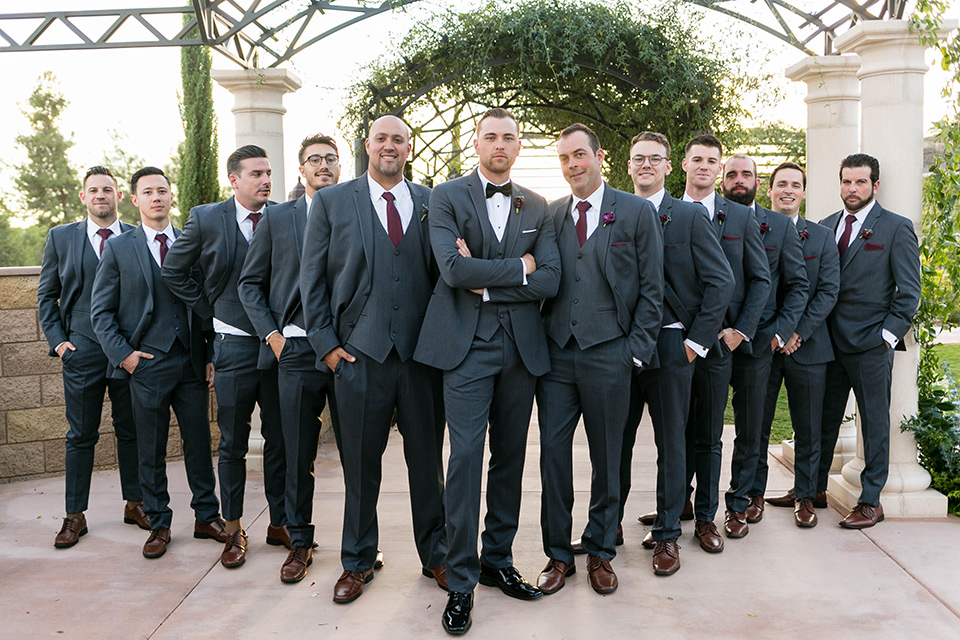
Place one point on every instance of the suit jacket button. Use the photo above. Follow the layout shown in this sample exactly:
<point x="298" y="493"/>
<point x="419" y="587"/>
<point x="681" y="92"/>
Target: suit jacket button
<point x="476" y="305"/>
<point x="396" y="279"/>
<point x="350" y="324"/>
<point x="575" y="301"/>
<point x="501" y="315"/>
<point x="395" y="307"/>
<point x="579" y="256"/>
<point x="577" y="278"/>
<point x="574" y="323"/>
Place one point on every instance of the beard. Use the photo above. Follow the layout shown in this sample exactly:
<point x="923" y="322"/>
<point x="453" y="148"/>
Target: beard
<point x="741" y="197"/>
<point x="857" y="203"/>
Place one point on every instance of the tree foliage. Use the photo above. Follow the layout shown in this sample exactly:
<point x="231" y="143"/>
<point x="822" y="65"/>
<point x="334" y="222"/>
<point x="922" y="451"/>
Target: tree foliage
<point x="123" y="164"/>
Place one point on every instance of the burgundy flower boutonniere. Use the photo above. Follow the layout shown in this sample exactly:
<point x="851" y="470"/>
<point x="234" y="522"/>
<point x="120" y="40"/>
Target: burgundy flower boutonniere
<point x="608" y="218"/>
<point x="424" y="210"/>
<point x="721" y="216"/>
<point x="803" y="235"/>
<point x="518" y="203"/>
<point x="664" y="219"/>
<point x="866" y="234"/>
<point x="764" y="227"/>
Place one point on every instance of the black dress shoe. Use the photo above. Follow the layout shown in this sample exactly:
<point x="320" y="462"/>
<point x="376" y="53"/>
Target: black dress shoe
<point x="456" y="615"/>
<point x="509" y="581"/>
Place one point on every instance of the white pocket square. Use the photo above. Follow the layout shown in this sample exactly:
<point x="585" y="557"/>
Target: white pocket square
<point x="529" y="231"/>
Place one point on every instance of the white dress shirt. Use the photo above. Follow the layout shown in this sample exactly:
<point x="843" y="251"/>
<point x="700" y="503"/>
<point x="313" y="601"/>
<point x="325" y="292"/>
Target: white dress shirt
<point x="498" y="213"/>
<point x="401" y="199"/>
<point x="657" y="199"/>
<point x="246" y="228"/>
<point x="95" y="238"/>
<point x="153" y="244"/>
<point x="709" y="202"/>
<point x="595" y="200"/>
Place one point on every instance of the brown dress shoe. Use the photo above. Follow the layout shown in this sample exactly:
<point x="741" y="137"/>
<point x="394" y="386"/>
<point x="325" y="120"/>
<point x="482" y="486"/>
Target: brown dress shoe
<point x="278" y="536"/>
<point x="648" y="542"/>
<point x="755" y="509"/>
<point x="820" y="500"/>
<point x="71" y="531"/>
<point x="216" y="530"/>
<point x="349" y="585"/>
<point x="295" y="566"/>
<point x="706" y="532"/>
<point x="234" y="552"/>
<point x="786" y="500"/>
<point x="135" y="515"/>
<point x="648" y="518"/>
<point x="439" y="574"/>
<point x="602" y="578"/>
<point x="666" y="558"/>
<point x="735" y="524"/>
<point x="804" y="514"/>
<point x="578" y="543"/>
<point x="863" y="516"/>
<point x="156" y="544"/>
<point x="554" y="575"/>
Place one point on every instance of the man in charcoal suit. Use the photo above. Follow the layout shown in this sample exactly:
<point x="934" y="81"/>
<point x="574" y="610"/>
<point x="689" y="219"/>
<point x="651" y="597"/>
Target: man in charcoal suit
<point x="365" y="282"/>
<point x="879" y="293"/>
<point x="497" y="252"/>
<point x="70" y="259"/>
<point x="152" y="339"/>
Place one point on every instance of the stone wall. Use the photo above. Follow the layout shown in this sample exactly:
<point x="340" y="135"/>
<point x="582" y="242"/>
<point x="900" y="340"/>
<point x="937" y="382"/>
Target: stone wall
<point x="32" y="422"/>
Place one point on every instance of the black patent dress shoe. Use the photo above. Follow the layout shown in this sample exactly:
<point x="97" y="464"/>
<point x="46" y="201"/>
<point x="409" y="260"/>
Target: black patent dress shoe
<point x="509" y="581"/>
<point x="456" y="615"/>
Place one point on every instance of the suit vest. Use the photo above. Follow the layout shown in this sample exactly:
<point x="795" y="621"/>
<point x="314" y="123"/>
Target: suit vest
<point x="169" y="319"/>
<point x="80" y="314"/>
<point x="399" y="293"/>
<point x="493" y="315"/>
<point x="228" y="307"/>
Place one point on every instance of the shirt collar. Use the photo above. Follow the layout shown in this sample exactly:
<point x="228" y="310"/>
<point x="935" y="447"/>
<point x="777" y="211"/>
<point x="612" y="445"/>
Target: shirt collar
<point x="152" y="235"/>
<point x="93" y="227"/>
<point x="708" y="201"/>
<point x="398" y="190"/>
<point x="242" y="211"/>
<point x="307" y="200"/>
<point x="657" y="199"/>
<point x="863" y="213"/>
<point x="595" y="199"/>
<point x="484" y="182"/>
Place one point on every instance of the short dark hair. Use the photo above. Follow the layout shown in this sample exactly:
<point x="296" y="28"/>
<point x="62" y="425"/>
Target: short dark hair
<point x="855" y="160"/>
<point x="98" y="170"/>
<point x="705" y="140"/>
<point x="499" y="113"/>
<point x="652" y="136"/>
<point x="146" y="171"/>
<point x="317" y="138"/>
<point x="591" y="136"/>
<point x="243" y="153"/>
<point x="789" y="165"/>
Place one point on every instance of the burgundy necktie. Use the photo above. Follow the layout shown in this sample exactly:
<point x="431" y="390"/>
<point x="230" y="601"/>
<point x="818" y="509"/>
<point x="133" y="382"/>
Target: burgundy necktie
<point x="104" y="234"/>
<point x="844" y="241"/>
<point x="582" y="207"/>
<point x="394" y="226"/>
<point x="254" y="218"/>
<point x="162" y="239"/>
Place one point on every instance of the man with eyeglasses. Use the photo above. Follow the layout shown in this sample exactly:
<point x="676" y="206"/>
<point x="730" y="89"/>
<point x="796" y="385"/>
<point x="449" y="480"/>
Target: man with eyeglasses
<point x="270" y="291"/>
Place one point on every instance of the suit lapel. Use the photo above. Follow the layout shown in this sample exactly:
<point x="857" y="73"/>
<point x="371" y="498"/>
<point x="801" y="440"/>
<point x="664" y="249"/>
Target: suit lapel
<point x="719" y="206"/>
<point x="856" y="243"/>
<point x="514" y="219"/>
<point x="300" y="223"/>
<point x="608" y="205"/>
<point x="475" y="187"/>
<point x="420" y="218"/>
<point x="801" y="226"/>
<point x="230" y="231"/>
<point x="144" y="258"/>
<point x="79" y="237"/>
<point x="364" y="207"/>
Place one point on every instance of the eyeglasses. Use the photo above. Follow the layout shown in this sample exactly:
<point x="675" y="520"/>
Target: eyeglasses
<point x="331" y="159"/>
<point x="654" y="160"/>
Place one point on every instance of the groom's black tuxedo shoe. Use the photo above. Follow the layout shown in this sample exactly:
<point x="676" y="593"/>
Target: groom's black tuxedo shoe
<point x="510" y="582"/>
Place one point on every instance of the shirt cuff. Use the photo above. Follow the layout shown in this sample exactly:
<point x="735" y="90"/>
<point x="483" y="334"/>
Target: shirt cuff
<point x="780" y="341"/>
<point x="267" y="339"/>
<point x="889" y="338"/>
<point x="700" y="351"/>
<point x="486" y="294"/>
<point x="523" y="269"/>
<point x="637" y="363"/>
<point x="745" y="338"/>
<point x="56" y="349"/>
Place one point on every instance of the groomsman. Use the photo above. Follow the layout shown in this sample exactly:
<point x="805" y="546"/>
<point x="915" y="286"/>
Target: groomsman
<point x="269" y="288"/>
<point x="739" y="235"/>
<point x="483" y="330"/>
<point x="366" y="279"/>
<point x="217" y="236"/>
<point x="698" y="285"/>
<point x="70" y="259"/>
<point x="751" y="361"/>
<point x="879" y="294"/>
<point x="152" y="339"/>
<point x="802" y="361"/>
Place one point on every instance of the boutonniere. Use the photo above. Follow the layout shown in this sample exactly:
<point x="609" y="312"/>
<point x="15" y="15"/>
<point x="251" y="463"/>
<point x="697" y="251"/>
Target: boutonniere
<point x="803" y="235"/>
<point x="424" y="210"/>
<point x="609" y="218"/>
<point x="764" y="227"/>
<point x="721" y="216"/>
<point x="866" y="233"/>
<point x="664" y="219"/>
<point x="518" y="203"/>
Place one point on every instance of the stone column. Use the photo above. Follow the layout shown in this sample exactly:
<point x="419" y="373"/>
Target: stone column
<point x="833" y="117"/>
<point x="891" y="83"/>
<point x="258" y="112"/>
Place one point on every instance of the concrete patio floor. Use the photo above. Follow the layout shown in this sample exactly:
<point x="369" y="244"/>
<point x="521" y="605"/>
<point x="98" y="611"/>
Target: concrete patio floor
<point x="900" y="579"/>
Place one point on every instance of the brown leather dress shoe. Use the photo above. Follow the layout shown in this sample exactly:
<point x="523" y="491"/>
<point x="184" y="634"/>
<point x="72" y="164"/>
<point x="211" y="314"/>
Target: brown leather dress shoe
<point x="648" y="542"/>
<point x="216" y="530"/>
<point x="135" y="515"/>
<point x="278" y="536"/>
<point x="295" y="566"/>
<point x="735" y="524"/>
<point x="820" y="500"/>
<point x="349" y="585"/>
<point x="71" y="531"/>
<point x="786" y="500"/>
<point x="804" y="514"/>
<point x="685" y="515"/>
<point x="234" y="552"/>
<point x="602" y="578"/>
<point x="666" y="558"/>
<point x="156" y="544"/>
<point x="578" y="543"/>
<point x="439" y="574"/>
<point x="706" y="532"/>
<point x="755" y="509"/>
<point x="863" y="516"/>
<point x="554" y="575"/>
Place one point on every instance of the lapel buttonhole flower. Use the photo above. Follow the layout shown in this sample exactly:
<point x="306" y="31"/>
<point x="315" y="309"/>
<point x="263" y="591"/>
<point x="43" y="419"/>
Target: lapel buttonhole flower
<point x="424" y="210"/>
<point x="804" y="235"/>
<point x="866" y="233"/>
<point x="664" y="219"/>
<point x="518" y="203"/>
<point x="608" y="218"/>
<point x="764" y="227"/>
<point x="721" y="216"/>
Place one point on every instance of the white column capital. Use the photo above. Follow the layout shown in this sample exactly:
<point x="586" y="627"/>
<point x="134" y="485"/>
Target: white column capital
<point x="827" y="77"/>
<point x="888" y="46"/>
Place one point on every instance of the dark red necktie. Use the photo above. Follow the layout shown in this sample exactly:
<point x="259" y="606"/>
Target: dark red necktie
<point x="582" y="207"/>
<point x="162" y="239"/>
<point x="254" y="218"/>
<point x="394" y="226"/>
<point x="104" y="234"/>
<point x="844" y="241"/>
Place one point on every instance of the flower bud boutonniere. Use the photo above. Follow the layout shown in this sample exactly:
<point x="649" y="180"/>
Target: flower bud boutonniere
<point x="866" y="233"/>
<point x="518" y="203"/>
<point x="764" y="227"/>
<point x="424" y="210"/>
<point x="608" y="218"/>
<point x="664" y="219"/>
<point x="803" y="235"/>
<point x="721" y="217"/>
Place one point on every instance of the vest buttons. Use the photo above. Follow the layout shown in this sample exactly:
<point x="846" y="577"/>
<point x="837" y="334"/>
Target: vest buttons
<point x="501" y="315"/>
<point x="397" y="252"/>
<point x="579" y="256"/>
<point x="574" y="323"/>
<point x="397" y="279"/>
<point x="577" y="278"/>
<point x="575" y="301"/>
<point x="476" y="305"/>
<point x="395" y="307"/>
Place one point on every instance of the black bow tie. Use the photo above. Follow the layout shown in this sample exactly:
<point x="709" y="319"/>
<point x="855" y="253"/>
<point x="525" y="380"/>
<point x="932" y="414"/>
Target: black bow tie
<point x="505" y="189"/>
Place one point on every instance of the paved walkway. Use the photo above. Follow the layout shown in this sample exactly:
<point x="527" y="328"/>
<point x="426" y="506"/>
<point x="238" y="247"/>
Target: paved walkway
<point x="897" y="580"/>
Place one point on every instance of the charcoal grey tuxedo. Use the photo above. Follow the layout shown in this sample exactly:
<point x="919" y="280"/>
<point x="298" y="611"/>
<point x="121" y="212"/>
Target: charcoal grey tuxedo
<point x="132" y="310"/>
<point x="269" y="288"/>
<point x="698" y="285"/>
<point x="212" y="238"/>
<point x="368" y="296"/>
<point x="63" y="302"/>
<point x="490" y="353"/>
<point x="606" y="314"/>
<point x="750" y="375"/>
<point x="805" y="370"/>
<point x="739" y="234"/>
<point x="879" y="290"/>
